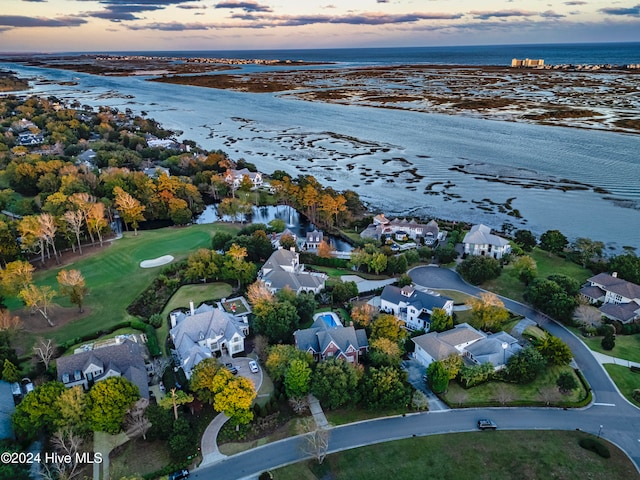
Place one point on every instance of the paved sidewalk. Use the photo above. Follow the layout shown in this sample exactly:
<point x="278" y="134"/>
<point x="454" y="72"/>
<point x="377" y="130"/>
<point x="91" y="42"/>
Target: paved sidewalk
<point x="316" y="411"/>
<point x="602" y="359"/>
<point x="521" y="327"/>
<point x="209" y="445"/>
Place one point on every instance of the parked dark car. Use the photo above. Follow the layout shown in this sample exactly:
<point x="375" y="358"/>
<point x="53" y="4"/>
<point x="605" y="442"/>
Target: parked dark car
<point x="179" y="475"/>
<point x="486" y="424"/>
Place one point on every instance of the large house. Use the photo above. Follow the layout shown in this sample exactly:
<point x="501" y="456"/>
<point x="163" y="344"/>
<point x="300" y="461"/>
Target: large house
<point x="205" y="331"/>
<point x="620" y="299"/>
<point x="327" y="338"/>
<point x="413" y="306"/>
<point x="234" y="177"/>
<point x="402" y="229"/>
<point x="474" y="346"/>
<point x="125" y="359"/>
<point x="480" y="241"/>
<point x="283" y="269"/>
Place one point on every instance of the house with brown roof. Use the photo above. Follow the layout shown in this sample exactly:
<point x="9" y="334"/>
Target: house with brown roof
<point x="125" y="358"/>
<point x="620" y="299"/>
<point x="328" y="338"/>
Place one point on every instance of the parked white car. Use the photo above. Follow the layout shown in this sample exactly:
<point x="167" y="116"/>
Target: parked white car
<point x="253" y="366"/>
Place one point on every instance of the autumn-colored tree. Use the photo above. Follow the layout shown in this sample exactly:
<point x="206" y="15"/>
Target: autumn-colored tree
<point x="8" y="321"/>
<point x="75" y="220"/>
<point x="130" y="208"/>
<point x="38" y="299"/>
<point x="388" y="326"/>
<point x="48" y="229"/>
<point x="488" y="311"/>
<point x="280" y="356"/>
<point x="363" y="315"/>
<point x="384" y="351"/>
<point x="111" y="398"/>
<point x="259" y="292"/>
<point x="10" y="372"/>
<point x="31" y="235"/>
<point x="324" y="250"/>
<point x="96" y="221"/>
<point x="234" y="399"/>
<point x="136" y="422"/>
<point x="236" y="267"/>
<point x="16" y="276"/>
<point x="440" y="321"/>
<point x="202" y="379"/>
<point x="72" y="283"/>
<point x="73" y="406"/>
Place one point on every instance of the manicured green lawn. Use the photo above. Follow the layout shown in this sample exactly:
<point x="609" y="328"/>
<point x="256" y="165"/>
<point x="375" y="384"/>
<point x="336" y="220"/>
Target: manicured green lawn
<point x="114" y="276"/>
<point x="627" y="346"/>
<point x="500" y="393"/>
<point x="508" y="284"/>
<point x="350" y="415"/>
<point x="626" y="380"/>
<point x="470" y="456"/>
<point x="458" y="298"/>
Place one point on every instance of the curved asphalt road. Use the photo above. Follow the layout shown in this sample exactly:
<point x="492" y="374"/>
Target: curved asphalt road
<point x="619" y="419"/>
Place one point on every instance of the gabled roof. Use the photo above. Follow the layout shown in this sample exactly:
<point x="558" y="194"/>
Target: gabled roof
<point x="440" y="345"/>
<point x="419" y="300"/>
<point x="278" y="278"/>
<point x="317" y="338"/>
<point x="462" y="333"/>
<point x="206" y="322"/>
<point x="125" y="358"/>
<point x="593" y="292"/>
<point x="625" y="312"/>
<point x="435" y="347"/>
<point x="492" y="349"/>
<point x="616" y="285"/>
<point x="481" y="235"/>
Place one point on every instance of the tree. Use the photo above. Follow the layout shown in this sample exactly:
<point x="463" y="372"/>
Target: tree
<point x="236" y="267"/>
<point x="16" y="276"/>
<point x="377" y="263"/>
<point x="10" y="372"/>
<point x="324" y="250"/>
<point x="297" y="379"/>
<point x="48" y="229"/>
<point x="335" y="383"/>
<point x="525" y="240"/>
<point x="75" y="219"/>
<point x="8" y="321"/>
<point x="566" y="383"/>
<point x="96" y="221"/>
<point x="306" y="305"/>
<point x="234" y="399"/>
<point x="438" y="377"/>
<point x="259" y="292"/>
<point x="73" y="406"/>
<point x="67" y="445"/>
<point x="609" y="340"/>
<point x="111" y="398"/>
<point x="44" y="350"/>
<point x="385" y="387"/>
<point x="553" y="241"/>
<point x="525" y="268"/>
<point x="384" y="352"/>
<point x="363" y="315"/>
<point x="316" y="444"/>
<point x="275" y="320"/>
<point x="280" y="356"/>
<point x="587" y="250"/>
<point x="440" y="321"/>
<point x="388" y="326"/>
<point x="202" y="379"/>
<point x="38" y="410"/>
<point x="549" y="297"/>
<point x="479" y="269"/>
<point x="72" y="283"/>
<point x="38" y="299"/>
<point x="175" y="398"/>
<point x="503" y="394"/>
<point x="130" y="208"/>
<point x="452" y="365"/>
<point x="488" y="312"/>
<point x="627" y="266"/>
<point x="343" y="291"/>
<point x="524" y="366"/>
<point x="554" y="350"/>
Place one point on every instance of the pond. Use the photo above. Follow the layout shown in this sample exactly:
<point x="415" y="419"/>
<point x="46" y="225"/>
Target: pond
<point x="292" y="219"/>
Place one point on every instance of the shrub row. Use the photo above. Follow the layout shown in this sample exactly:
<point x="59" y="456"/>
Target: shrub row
<point x="153" y="299"/>
<point x="635" y="369"/>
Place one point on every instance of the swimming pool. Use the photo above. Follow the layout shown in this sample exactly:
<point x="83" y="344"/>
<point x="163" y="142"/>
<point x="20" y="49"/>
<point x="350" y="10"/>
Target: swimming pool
<point x="330" y="318"/>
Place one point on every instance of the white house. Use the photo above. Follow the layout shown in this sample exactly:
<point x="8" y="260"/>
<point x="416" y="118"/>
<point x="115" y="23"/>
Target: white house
<point x="201" y="332"/>
<point x="234" y="177"/>
<point x="620" y="298"/>
<point x="283" y="269"/>
<point x="313" y="240"/>
<point x="429" y="232"/>
<point x="480" y="241"/>
<point x="413" y="306"/>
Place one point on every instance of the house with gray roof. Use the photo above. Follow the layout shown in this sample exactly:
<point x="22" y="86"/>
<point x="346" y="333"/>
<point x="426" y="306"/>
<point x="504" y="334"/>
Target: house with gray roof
<point x="440" y="345"/>
<point x="480" y="241"/>
<point x="324" y="341"/>
<point x="495" y="348"/>
<point x="620" y="299"/>
<point x="125" y="358"/>
<point x="413" y="306"/>
<point x="283" y="269"/>
<point x="313" y="240"/>
<point x="382" y="226"/>
<point x="201" y="333"/>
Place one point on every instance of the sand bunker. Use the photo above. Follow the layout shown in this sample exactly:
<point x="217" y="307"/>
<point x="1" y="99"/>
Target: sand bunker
<point x="156" y="262"/>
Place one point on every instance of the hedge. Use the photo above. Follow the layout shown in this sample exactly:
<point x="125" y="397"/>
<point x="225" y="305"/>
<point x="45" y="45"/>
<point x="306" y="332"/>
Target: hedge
<point x="595" y="446"/>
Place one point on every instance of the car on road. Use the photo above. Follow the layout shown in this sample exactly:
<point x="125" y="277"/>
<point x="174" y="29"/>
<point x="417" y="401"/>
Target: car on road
<point x="486" y="424"/>
<point x="179" y="474"/>
<point x="231" y="368"/>
<point x="253" y="366"/>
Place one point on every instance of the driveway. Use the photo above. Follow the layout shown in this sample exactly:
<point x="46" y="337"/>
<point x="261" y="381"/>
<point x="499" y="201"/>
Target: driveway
<point x="365" y="286"/>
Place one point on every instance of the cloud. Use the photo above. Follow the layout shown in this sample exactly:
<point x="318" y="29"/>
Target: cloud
<point x="19" y="21"/>
<point x="192" y="7"/>
<point x="486" y="15"/>
<point x="632" y="11"/>
<point x="246" y="6"/>
<point x="551" y="14"/>
<point x="576" y="2"/>
<point x="35" y="1"/>
<point x="173" y="27"/>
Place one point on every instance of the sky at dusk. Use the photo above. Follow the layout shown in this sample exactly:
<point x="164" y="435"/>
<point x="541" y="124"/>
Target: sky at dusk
<point x="121" y="25"/>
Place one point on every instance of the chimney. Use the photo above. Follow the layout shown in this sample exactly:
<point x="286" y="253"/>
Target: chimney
<point x="192" y="308"/>
<point x="173" y="320"/>
<point x="614" y="274"/>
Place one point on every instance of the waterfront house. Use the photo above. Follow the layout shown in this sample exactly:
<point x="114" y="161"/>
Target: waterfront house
<point x="480" y="241"/>
<point x="234" y="177"/>
<point x="283" y="269"/>
<point x="313" y="240"/>
<point x="402" y="229"/>
<point x="620" y="299"/>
